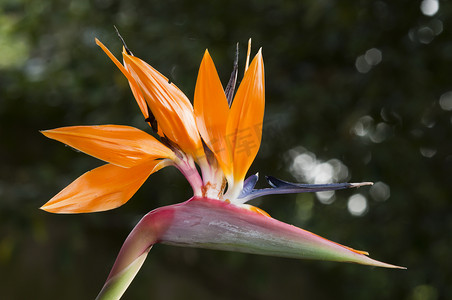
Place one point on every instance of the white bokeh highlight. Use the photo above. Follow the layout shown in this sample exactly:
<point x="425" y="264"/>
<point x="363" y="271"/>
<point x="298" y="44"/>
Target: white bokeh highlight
<point x="429" y="7"/>
<point x="380" y="191"/>
<point x="357" y="205"/>
<point x="305" y="167"/>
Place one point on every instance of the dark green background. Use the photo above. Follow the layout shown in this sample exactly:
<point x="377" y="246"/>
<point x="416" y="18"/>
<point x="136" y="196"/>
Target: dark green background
<point x="52" y="74"/>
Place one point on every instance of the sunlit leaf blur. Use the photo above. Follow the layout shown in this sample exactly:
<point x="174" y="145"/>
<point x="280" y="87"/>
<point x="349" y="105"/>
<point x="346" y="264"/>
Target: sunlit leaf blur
<point x="355" y="91"/>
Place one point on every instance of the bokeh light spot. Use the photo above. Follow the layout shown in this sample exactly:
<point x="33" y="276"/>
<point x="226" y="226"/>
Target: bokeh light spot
<point x="357" y="205"/>
<point x="425" y="35"/>
<point x="362" y="65"/>
<point x="373" y="56"/>
<point x="429" y="7"/>
<point x="381" y="133"/>
<point x="326" y="197"/>
<point x="445" y="101"/>
<point x="363" y="126"/>
<point x="427" y="152"/>
<point x="436" y="25"/>
<point x="380" y="191"/>
<point x="323" y="173"/>
<point x="305" y="167"/>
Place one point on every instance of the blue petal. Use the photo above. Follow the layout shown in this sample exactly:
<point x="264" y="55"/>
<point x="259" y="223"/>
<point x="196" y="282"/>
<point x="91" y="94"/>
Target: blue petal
<point x="248" y="185"/>
<point x="302" y="188"/>
<point x="284" y="187"/>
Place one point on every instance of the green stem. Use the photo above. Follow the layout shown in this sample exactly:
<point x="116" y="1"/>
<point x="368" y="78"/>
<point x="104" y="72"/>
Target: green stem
<point x="115" y="287"/>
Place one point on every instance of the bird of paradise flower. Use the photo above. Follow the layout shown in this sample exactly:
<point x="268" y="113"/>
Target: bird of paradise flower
<point x="221" y="133"/>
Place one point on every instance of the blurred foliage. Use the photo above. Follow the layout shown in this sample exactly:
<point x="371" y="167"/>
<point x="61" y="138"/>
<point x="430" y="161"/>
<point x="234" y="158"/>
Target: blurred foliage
<point x="384" y="113"/>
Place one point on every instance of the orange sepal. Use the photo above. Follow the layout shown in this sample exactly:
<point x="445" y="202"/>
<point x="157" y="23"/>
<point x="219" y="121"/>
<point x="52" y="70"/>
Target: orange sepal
<point x="123" y="146"/>
<point x="244" y="127"/>
<point x="133" y="84"/>
<point x="255" y="209"/>
<point x="171" y="108"/>
<point x="357" y="251"/>
<point x="101" y="189"/>
<point x="211" y="112"/>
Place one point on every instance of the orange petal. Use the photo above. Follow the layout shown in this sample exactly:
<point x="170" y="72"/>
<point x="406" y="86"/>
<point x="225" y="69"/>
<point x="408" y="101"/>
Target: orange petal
<point x="248" y="52"/>
<point x="123" y="146"/>
<point x="133" y="84"/>
<point x="244" y="128"/>
<point x="211" y="111"/>
<point x="103" y="188"/>
<point x="171" y="108"/>
<point x="255" y="209"/>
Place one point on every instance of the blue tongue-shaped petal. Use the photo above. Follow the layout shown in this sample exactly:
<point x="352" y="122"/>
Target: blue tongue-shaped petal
<point x="248" y="185"/>
<point x="300" y="187"/>
<point x="279" y="186"/>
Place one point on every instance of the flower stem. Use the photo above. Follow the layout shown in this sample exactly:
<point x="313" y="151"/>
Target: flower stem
<point x="133" y="253"/>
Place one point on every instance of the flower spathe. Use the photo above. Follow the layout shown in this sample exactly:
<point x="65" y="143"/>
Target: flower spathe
<point x="222" y="136"/>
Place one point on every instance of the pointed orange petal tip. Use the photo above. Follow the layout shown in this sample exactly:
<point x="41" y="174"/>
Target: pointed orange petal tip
<point x="169" y="105"/>
<point x="244" y="126"/>
<point x="211" y="111"/>
<point x="123" y="146"/>
<point x="115" y="61"/>
<point x="133" y="84"/>
<point x="101" y="189"/>
<point x="248" y="54"/>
